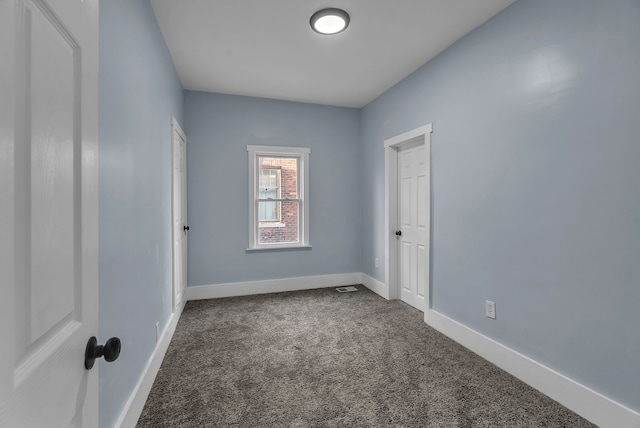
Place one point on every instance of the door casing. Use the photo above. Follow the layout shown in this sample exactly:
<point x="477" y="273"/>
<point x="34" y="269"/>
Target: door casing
<point x="418" y="136"/>
<point x="178" y="204"/>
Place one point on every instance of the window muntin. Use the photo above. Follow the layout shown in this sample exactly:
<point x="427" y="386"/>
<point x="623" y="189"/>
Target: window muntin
<point x="278" y="197"/>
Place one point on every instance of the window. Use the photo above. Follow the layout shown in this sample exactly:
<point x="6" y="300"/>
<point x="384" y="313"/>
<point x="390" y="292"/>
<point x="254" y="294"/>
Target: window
<point x="278" y="197"/>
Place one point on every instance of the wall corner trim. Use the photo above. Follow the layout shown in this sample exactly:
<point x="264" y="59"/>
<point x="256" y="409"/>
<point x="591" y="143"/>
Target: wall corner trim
<point x="133" y="407"/>
<point x="586" y="402"/>
<point x="234" y="289"/>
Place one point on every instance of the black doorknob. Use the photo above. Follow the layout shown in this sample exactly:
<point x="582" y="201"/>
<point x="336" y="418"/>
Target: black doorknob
<point x="110" y="351"/>
<point x="185" y="227"/>
<point x="399" y="233"/>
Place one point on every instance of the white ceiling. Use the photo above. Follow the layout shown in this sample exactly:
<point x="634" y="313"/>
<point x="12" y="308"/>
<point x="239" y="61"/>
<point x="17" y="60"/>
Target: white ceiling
<point x="266" y="48"/>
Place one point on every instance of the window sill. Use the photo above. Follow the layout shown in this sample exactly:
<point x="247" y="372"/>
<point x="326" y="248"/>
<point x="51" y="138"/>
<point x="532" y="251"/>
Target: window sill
<point x="266" y="224"/>
<point x="278" y="248"/>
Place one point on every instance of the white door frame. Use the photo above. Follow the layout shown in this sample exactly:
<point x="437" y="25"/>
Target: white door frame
<point x="179" y="284"/>
<point x="421" y="135"/>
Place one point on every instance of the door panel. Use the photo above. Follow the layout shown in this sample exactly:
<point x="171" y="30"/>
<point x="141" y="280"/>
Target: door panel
<point x="53" y="149"/>
<point x="421" y="214"/>
<point x="421" y="254"/>
<point x="407" y="200"/>
<point x="48" y="250"/>
<point x="412" y="205"/>
<point x="405" y="272"/>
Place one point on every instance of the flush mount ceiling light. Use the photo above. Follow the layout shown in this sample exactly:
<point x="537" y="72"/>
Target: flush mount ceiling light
<point x="329" y="21"/>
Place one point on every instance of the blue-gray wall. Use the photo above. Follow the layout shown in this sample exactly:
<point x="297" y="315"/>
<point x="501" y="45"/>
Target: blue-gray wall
<point x="139" y="92"/>
<point x="536" y="184"/>
<point x="219" y="128"/>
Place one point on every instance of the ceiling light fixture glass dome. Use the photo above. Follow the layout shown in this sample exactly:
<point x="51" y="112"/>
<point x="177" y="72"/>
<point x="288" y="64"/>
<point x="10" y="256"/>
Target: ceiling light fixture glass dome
<point x="329" y="21"/>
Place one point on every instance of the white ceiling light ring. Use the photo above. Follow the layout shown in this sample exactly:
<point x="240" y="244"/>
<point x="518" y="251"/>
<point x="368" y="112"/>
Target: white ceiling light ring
<point x="329" y="21"/>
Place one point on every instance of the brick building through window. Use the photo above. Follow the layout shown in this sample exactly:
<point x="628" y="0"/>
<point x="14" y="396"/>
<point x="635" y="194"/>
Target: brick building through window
<point x="278" y="219"/>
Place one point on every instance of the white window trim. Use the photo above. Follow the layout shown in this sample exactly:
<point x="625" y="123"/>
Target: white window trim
<point x="303" y="187"/>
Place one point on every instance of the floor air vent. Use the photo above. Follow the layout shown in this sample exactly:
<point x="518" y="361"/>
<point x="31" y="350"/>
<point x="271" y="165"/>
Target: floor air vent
<point x="346" y="289"/>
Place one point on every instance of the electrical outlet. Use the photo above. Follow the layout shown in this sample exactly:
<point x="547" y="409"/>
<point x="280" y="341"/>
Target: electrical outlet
<point x="157" y="331"/>
<point x="377" y="261"/>
<point x="490" y="309"/>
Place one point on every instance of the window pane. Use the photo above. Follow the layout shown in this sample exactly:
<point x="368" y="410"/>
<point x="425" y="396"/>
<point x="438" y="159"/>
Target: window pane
<point x="268" y="178"/>
<point x="284" y="232"/>
<point x="287" y="170"/>
<point x="268" y="193"/>
<point x="268" y="211"/>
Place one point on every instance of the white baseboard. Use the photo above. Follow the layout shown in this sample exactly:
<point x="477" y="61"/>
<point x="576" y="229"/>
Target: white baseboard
<point x="586" y="402"/>
<point x="271" y="286"/>
<point x="375" y="285"/>
<point x="133" y="408"/>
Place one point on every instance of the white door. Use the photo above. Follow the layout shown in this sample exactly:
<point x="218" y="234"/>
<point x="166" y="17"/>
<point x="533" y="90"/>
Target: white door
<point x="412" y="233"/>
<point x="179" y="202"/>
<point x="48" y="211"/>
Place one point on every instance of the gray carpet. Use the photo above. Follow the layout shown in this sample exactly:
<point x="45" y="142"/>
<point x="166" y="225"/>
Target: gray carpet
<point x="320" y="358"/>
